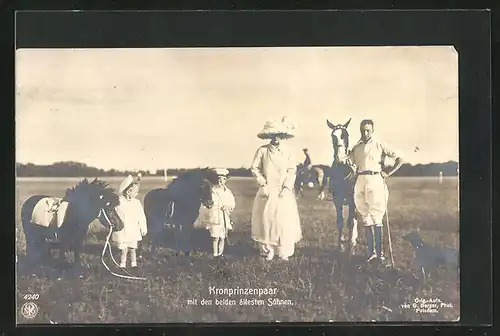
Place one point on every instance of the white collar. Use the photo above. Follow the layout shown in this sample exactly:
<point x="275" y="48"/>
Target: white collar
<point x="372" y="139"/>
<point x="123" y="198"/>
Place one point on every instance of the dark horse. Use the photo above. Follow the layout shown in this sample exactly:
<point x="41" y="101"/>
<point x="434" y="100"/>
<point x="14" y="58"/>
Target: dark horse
<point x="83" y="204"/>
<point x="341" y="177"/>
<point x="178" y="206"/>
<point x="318" y="176"/>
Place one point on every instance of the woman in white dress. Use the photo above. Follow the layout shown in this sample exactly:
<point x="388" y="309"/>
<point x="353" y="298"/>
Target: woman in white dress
<point x="275" y="216"/>
<point x="134" y="221"/>
<point x="218" y="217"/>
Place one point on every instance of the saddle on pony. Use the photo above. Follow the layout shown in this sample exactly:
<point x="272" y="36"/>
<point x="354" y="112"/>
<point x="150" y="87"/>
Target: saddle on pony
<point x="49" y="212"/>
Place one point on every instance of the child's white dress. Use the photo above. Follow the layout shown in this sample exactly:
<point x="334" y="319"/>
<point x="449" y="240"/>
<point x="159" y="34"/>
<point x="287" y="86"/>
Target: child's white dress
<point x="134" y="223"/>
<point x="218" y="222"/>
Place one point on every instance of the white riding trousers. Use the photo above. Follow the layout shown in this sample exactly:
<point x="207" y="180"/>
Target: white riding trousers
<point x="370" y="196"/>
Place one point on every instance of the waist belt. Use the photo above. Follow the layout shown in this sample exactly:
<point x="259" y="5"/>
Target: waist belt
<point x="368" y="172"/>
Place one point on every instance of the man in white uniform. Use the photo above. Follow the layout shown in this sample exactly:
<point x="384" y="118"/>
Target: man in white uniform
<point x="370" y="192"/>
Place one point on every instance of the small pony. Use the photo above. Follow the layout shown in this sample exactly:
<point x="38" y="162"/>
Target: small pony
<point x="49" y="220"/>
<point x="178" y="206"/>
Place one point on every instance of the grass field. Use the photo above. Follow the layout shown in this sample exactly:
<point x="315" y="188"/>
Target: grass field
<point x="321" y="283"/>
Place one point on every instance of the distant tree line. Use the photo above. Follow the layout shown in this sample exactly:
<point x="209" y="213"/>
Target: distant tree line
<point x="432" y="169"/>
<point x="78" y="169"/>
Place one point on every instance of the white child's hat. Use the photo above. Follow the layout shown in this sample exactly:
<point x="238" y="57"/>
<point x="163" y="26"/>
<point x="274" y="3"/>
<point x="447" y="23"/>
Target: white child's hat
<point x="221" y="171"/>
<point x="126" y="183"/>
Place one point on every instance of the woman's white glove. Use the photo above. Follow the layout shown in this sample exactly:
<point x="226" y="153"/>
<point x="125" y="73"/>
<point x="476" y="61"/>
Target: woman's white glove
<point x="264" y="191"/>
<point x="284" y="191"/>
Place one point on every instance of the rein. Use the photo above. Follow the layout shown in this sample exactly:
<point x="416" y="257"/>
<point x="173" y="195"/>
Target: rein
<point x="224" y="213"/>
<point x="347" y="163"/>
<point x="108" y="245"/>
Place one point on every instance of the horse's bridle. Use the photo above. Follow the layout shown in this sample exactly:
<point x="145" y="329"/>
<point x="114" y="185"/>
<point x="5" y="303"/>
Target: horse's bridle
<point x="346" y="149"/>
<point x="346" y="142"/>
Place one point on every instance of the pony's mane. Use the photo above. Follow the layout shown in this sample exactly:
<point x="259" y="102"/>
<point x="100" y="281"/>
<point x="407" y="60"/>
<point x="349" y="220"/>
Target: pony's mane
<point x="86" y="186"/>
<point x="189" y="176"/>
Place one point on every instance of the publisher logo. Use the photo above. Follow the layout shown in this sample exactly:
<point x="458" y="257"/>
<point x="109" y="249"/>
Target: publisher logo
<point x="29" y="310"/>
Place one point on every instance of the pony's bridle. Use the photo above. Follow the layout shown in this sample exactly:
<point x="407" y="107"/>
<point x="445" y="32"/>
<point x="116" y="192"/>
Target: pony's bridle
<point x="206" y="184"/>
<point x="103" y="212"/>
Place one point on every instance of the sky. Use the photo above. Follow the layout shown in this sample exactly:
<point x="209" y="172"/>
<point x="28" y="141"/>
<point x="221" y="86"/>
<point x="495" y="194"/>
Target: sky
<point x="196" y="107"/>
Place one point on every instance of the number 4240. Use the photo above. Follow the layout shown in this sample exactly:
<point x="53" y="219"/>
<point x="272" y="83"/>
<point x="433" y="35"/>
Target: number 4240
<point x="31" y="296"/>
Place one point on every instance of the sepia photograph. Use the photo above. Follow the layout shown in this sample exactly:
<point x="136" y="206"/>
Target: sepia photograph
<point x="251" y="184"/>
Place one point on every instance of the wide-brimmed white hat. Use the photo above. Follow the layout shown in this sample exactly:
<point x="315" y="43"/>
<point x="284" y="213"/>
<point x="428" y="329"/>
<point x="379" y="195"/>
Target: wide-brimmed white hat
<point x="126" y="183"/>
<point x="283" y="127"/>
<point x="221" y="171"/>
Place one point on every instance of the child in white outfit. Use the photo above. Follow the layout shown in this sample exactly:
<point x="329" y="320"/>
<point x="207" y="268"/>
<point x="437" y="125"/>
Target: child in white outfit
<point x="134" y="221"/>
<point x="219" y="221"/>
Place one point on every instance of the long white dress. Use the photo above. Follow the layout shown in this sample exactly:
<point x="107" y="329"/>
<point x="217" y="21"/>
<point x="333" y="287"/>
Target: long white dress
<point x="275" y="219"/>
<point x="134" y="223"/>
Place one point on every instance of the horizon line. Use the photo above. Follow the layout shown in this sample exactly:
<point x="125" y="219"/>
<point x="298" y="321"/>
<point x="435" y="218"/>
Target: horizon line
<point x="173" y="168"/>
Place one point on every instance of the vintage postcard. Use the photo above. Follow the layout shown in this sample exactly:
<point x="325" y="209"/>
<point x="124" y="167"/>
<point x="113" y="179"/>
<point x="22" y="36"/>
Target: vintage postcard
<point x="280" y="184"/>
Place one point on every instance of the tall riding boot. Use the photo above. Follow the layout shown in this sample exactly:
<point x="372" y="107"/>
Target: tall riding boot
<point x="378" y="242"/>
<point x="369" y="241"/>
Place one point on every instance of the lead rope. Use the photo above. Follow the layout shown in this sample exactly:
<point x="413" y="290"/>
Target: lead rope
<point x="108" y="245"/>
<point x="224" y="216"/>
